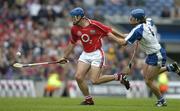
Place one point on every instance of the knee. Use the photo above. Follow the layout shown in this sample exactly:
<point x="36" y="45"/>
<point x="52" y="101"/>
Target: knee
<point x="95" y="82"/>
<point x="148" y="81"/>
<point x="78" y="78"/>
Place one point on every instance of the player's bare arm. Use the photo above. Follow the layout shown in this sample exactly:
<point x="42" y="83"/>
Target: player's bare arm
<point x="121" y="41"/>
<point x="67" y="52"/>
<point x="118" y="34"/>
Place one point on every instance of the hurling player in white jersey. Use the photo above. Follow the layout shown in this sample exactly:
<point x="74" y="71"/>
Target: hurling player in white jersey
<point x="144" y="33"/>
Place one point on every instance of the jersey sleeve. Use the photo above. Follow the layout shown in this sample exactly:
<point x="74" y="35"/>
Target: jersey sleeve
<point x="74" y="37"/>
<point x="104" y="28"/>
<point x="135" y="34"/>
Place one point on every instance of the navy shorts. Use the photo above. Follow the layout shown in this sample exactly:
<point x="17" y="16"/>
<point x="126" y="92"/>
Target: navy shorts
<point x="158" y="58"/>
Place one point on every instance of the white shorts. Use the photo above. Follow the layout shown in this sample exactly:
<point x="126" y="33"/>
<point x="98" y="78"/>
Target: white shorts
<point x="96" y="58"/>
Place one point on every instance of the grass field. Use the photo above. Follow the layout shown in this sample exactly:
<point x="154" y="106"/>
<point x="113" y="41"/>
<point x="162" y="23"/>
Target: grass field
<point x="101" y="104"/>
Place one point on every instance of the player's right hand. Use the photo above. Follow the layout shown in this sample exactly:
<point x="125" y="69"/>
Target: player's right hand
<point x="63" y="60"/>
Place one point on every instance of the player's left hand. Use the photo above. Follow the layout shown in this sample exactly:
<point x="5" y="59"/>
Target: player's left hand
<point x="63" y="60"/>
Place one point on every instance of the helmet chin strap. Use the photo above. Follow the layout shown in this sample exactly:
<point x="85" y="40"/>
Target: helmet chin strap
<point x="78" y="21"/>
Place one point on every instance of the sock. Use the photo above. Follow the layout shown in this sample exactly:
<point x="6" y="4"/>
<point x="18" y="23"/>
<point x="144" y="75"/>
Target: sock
<point x="170" y="68"/>
<point x="161" y="98"/>
<point x="88" y="97"/>
<point x="118" y="77"/>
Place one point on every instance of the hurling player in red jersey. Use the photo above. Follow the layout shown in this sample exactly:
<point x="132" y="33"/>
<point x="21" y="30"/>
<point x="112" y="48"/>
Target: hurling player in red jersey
<point x="92" y="59"/>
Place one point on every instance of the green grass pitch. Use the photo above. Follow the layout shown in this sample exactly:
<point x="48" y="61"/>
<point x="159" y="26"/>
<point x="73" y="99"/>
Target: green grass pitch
<point x="101" y="104"/>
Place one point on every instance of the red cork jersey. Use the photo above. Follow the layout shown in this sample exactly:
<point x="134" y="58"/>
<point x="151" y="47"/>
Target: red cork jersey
<point x="90" y="36"/>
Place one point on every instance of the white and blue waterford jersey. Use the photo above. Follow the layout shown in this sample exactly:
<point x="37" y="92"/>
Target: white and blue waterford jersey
<point x="146" y="35"/>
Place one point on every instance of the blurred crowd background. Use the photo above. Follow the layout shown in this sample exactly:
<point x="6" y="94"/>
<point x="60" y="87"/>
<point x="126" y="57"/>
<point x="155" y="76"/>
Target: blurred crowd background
<point x="40" y="30"/>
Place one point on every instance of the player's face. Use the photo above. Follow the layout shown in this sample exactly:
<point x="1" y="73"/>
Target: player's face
<point x="76" y="19"/>
<point x="132" y="20"/>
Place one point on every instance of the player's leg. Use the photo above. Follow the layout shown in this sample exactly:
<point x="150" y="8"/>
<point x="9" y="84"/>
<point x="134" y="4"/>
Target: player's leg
<point x="161" y="58"/>
<point x="97" y="77"/>
<point x="150" y="72"/>
<point x="171" y="68"/>
<point x="152" y="69"/>
<point x="82" y="69"/>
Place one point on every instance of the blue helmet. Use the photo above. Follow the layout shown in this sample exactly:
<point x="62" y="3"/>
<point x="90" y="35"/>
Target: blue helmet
<point x="77" y="12"/>
<point x="139" y="14"/>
